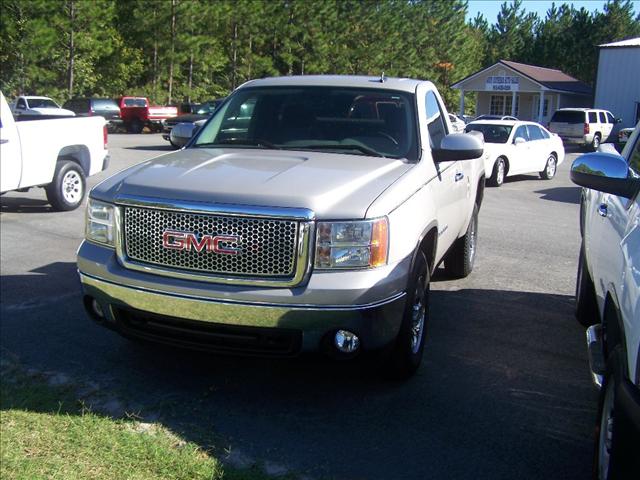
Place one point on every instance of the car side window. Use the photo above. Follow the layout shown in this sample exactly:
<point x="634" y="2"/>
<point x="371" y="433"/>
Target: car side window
<point x="522" y="133"/>
<point x="610" y="118"/>
<point x="21" y="103"/>
<point x="435" y="121"/>
<point x="534" y="132"/>
<point x="593" y="117"/>
<point x="603" y="118"/>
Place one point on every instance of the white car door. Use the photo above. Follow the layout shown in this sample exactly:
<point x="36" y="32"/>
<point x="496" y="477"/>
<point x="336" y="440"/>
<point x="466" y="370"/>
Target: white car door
<point x="10" y="157"/>
<point x="521" y="151"/>
<point x="451" y="193"/>
<point x="605" y="126"/>
<point x="541" y="147"/>
<point x="611" y="224"/>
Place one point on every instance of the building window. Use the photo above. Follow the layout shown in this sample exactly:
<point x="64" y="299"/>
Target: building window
<point x="501" y="105"/>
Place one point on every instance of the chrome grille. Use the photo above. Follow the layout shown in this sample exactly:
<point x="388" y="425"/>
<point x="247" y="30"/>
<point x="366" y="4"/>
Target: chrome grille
<point x="267" y="246"/>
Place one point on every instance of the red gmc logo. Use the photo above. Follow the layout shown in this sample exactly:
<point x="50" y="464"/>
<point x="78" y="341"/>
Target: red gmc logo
<point x="176" y="240"/>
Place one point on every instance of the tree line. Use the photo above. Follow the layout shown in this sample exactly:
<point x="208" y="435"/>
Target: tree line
<point x="193" y="50"/>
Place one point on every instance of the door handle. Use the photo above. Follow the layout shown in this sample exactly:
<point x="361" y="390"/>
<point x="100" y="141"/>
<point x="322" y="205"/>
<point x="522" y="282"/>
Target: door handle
<point x="603" y="210"/>
<point x="459" y="176"/>
<point x="2" y="141"/>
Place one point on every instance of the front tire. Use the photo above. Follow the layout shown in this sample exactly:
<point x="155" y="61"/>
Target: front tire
<point x="499" y="170"/>
<point x="67" y="190"/>
<point x="461" y="258"/>
<point x="550" y="168"/>
<point x="406" y="353"/>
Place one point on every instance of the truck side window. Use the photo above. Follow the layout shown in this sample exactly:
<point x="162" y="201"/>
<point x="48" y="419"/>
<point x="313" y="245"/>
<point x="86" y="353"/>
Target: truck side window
<point x="610" y="118"/>
<point x="603" y="118"/>
<point x="593" y="117"/>
<point x="435" y="121"/>
<point x="21" y="103"/>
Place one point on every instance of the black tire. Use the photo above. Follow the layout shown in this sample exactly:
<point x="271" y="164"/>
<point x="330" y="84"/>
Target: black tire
<point x="615" y="455"/>
<point x="550" y="168"/>
<point x="586" y="305"/>
<point x="460" y="259"/>
<point x="499" y="171"/>
<point x="595" y="143"/>
<point x="135" y="126"/>
<point x="405" y="354"/>
<point x="68" y="188"/>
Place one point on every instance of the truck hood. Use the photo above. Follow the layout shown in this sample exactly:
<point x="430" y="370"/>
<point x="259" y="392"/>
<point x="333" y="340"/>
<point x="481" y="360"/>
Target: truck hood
<point x="53" y="111"/>
<point x="332" y="185"/>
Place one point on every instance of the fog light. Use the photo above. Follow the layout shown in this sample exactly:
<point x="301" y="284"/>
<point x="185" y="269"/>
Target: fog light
<point x="97" y="308"/>
<point x="346" y="342"/>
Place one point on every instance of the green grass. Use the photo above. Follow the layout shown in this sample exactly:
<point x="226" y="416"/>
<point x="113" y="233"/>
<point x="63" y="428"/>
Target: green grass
<point x="46" y="433"/>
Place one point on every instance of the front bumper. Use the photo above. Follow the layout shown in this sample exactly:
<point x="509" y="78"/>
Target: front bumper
<point x="368" y="303"/>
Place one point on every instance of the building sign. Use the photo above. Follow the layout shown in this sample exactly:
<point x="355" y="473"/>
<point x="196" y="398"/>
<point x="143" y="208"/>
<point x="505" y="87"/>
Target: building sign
<point x="502" y="84"/>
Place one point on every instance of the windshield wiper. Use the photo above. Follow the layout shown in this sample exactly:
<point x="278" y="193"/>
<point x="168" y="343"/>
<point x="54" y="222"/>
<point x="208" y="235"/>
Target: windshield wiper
<point x="338" y="146"/>
<point x="241" y="142"/>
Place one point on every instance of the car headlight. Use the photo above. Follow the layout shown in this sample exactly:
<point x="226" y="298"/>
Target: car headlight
<point x="100" y="222"/>
<point x="352" y="244"/>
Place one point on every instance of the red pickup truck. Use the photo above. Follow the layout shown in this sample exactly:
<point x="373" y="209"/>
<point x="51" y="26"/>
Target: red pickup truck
<point x="137" y="114"/>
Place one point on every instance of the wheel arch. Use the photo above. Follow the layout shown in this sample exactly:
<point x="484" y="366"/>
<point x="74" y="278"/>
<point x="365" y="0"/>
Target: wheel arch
<point x="613" y="327"/>
<point x="77" y="153"/>
<point x="428" y="244"/>
<point x="506" y="163"/>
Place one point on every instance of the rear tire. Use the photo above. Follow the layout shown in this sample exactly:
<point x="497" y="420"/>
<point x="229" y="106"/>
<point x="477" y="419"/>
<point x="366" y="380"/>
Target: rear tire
<point x="135" y="126"/>
<point x="586" y="305"/>
<point x="595" y="143"/>
<point x="406" y="352"/>
<point x="67" y="190"/>
<point x="499" y="170"/>
<point x="461" y="258"/>
<point x="550" y="168"/>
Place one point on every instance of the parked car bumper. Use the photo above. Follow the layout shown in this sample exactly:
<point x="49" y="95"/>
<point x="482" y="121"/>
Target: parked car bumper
<point x="581" y="140"/>
<point x="229" y="318"/>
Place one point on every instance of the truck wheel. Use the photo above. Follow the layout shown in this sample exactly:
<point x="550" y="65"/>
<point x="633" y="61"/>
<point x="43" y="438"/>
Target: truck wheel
<point x="596" y="142"/>
<point x="586" y="305"/>
<point x="497" y="177"/>
<point x="136" y="126"/>
<point x="614" y="454"/>
<point x="550" y="168"/>
<point x="406" y="353"/>
<point x="460" y="259"/>
<point x="67" y="189"/>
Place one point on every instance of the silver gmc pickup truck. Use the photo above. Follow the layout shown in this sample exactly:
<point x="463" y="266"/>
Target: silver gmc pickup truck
<point x="307" y="214"/>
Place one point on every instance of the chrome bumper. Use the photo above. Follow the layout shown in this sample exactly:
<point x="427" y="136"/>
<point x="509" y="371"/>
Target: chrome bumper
<point x="376" y="324"/>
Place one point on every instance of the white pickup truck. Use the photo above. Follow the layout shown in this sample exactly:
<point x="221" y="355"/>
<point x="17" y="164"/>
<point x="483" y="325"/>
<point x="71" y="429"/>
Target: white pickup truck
<point x="307" y="214"/>
<point x="56" y="154"/>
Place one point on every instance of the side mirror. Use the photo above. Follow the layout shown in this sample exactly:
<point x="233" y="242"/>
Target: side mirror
<point x="618" y="120"/>
<point x="605" y="172"/>
<point x="458" y="146"/>
<point x="519" y="141"/>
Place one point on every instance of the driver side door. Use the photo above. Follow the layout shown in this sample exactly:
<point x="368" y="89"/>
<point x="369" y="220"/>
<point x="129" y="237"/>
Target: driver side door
<point x="521" y="152"/>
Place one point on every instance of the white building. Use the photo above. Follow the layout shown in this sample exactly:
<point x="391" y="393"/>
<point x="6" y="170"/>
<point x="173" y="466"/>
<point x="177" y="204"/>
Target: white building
<point x="618" y="82"/>
<point x="525" y="91"/>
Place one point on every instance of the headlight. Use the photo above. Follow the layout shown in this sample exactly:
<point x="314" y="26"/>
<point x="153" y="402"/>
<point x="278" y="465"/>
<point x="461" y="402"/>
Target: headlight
<point x="99" y="222"/>
<point x="357" y="244"/>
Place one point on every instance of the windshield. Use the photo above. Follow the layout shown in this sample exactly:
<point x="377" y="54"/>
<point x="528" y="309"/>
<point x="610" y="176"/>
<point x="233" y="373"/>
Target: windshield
<point x="354" y="121"/>
<point x="492" y="133"/>
<point x="42" y="103"/>
<point x="135" y="102"/>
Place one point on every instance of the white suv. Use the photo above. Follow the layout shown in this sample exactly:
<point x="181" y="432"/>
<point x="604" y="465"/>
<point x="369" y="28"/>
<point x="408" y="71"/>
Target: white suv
<point x="608" y="299"/>
<point x="587" y="127"/>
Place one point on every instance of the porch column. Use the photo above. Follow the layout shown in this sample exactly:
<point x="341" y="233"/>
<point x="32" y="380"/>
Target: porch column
<point x="461" y="102"/>
<point x="513" y="103"/>
<point x="541" y="106"/>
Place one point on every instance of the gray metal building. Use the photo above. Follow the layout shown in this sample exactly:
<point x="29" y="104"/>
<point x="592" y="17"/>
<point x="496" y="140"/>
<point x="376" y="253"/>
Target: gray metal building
<point x="618" y="81"/>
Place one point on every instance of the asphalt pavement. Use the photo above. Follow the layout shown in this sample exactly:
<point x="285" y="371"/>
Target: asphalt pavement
<point x="504" y="390"/>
